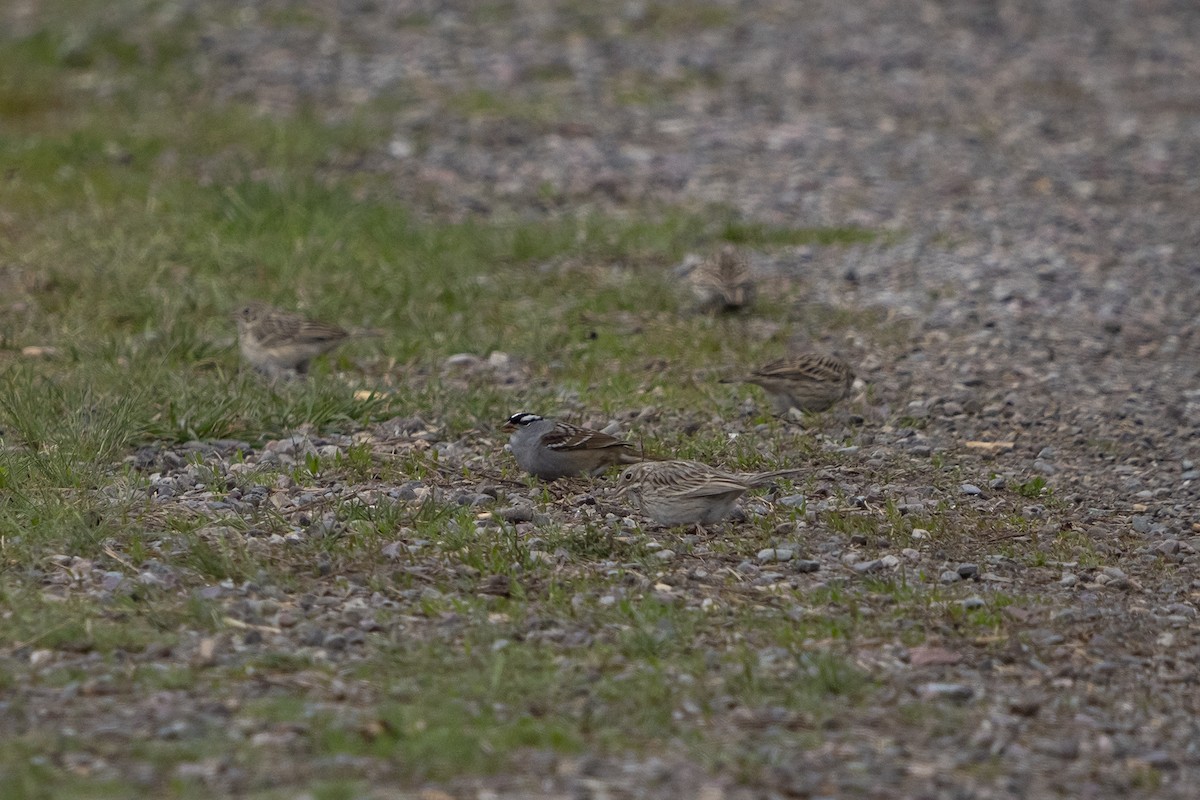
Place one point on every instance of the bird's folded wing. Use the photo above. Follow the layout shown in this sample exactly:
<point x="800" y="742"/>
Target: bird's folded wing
<point x="580" y="439"/>
<point x="817" y="369"/>
<point x="708" y="488"/>
<point x="319" y="332"/>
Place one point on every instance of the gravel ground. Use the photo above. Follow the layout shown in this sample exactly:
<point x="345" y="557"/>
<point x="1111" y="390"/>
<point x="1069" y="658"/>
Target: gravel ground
<point x="1037" y="165"/>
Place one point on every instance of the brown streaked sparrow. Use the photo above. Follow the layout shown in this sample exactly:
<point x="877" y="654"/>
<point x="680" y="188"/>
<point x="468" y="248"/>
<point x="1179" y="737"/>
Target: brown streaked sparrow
<point x="723" y="283"/>
<point x="689" y="492"/>
<point x="806" y="382"/>
<point x="277" y="342"/>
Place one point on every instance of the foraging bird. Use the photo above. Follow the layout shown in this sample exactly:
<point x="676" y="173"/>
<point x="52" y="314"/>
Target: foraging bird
<point x="806" y="382"/>
<point x="689" y="492"/>
<point x="276" y="342"/>
<point x="550" y="449"/>
<point x="723" y="283"/>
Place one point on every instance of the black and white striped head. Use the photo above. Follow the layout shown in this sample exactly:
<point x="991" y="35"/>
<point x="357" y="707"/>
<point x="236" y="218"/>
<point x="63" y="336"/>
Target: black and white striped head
<point x="520" y="420"/>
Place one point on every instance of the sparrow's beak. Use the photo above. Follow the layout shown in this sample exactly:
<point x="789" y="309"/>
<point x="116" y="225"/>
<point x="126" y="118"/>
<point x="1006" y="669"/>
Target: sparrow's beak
<point x="508" y="427"/>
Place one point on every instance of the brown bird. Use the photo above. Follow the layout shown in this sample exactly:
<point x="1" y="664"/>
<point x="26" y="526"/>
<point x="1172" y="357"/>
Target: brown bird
<point x="723" y="283"/>
<point x="689" y="492"/>
<point x="806" y="382"/>
<point x="278" y="343"/>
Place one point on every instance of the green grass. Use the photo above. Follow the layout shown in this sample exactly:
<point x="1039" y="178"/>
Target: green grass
<point x="755" y="234"/>
<point x="136" y="212"/>
<point x="468" y="709"/>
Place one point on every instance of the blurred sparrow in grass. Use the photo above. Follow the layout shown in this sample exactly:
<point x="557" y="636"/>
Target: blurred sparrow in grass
<point x="278" y="342"/>
<point x="551" y="449"/>
<point x="807" y="382"/>
<point x="723" y="283"/>
<point x="688" y="492"/>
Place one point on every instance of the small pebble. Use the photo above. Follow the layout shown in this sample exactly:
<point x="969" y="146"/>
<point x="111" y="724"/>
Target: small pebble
<point x="517" y="513"/>
<point x="947" y="691"/>
<point x="775" y="554"/>
<point x="1066" y="748"/>
<point x="1160" y="759"/>
<point x="312" y="637"/>
<point x="1168" y="547"/>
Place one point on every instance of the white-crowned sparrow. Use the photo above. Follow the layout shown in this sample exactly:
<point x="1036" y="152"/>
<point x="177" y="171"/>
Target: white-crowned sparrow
<point x="807" y="382"/>
<point x="723" y="283"/>
<point x="551" y="449"/>
<point x="688" y="492"/>
<point x="278" y="342"/>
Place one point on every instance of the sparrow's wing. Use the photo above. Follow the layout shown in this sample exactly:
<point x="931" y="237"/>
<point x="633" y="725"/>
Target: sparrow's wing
<point x="313" y="331"/>
<point x="693" y="479"/>
<point x="569" y="437"/>
<point x="819" y="368"/>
